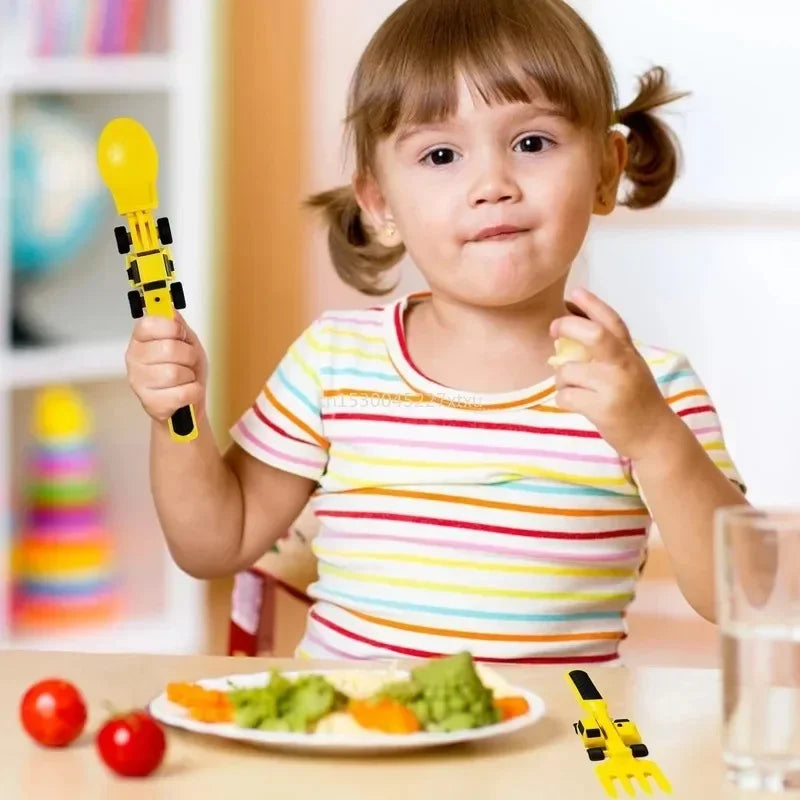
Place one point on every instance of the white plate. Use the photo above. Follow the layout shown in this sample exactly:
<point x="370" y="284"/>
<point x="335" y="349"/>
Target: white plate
<point x="362" y="741"/>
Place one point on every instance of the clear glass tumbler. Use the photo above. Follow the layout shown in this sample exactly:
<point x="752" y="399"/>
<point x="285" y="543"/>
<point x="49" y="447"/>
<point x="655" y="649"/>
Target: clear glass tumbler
<point x="757" y="555"/>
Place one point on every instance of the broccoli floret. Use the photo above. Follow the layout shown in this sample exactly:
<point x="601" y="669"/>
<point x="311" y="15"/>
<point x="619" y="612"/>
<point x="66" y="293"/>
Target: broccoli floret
<point x="404" y="692"/>
<point x="283" y="705"/>
<point x="446" y="694"/>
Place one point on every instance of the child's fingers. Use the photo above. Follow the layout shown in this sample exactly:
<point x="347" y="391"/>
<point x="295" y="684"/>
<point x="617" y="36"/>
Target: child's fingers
<point x="148" y="329"/>
<point x="586" y="375"/>
<point x="166" y="376"/>
<point x="188" y="335"/>
<point x="166" y="351"/>
<point x="599" y="341"/>
<point x="577" y="400"/>
<point x="163" y="403"/>
<point x="601" y="312"/>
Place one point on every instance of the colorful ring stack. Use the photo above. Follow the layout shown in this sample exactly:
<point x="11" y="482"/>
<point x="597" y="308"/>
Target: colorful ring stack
<point x="63" y="559"/>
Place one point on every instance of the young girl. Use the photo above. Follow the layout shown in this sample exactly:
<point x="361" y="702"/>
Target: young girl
<point x="473" y="492"/>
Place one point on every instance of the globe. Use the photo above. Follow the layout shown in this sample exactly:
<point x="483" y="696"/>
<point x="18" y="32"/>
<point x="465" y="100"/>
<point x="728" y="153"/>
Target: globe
<point x="56" y="191"/>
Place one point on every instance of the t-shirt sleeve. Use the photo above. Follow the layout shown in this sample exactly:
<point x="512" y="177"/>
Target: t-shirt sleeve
<point x="690" y="400"/>
<point x="283" y="426"/>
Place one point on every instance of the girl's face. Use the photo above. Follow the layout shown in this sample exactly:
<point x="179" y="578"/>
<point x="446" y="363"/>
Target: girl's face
<point x="493" y="204"/>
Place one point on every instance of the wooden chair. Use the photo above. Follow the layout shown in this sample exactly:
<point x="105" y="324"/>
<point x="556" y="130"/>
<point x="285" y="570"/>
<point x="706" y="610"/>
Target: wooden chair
<point x="269" y="603"/>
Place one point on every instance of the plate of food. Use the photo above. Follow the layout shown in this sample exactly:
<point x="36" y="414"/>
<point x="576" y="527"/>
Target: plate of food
<point x="442" y="701"/>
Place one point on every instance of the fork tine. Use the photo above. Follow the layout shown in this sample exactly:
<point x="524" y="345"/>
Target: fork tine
<point x="658" y="776"/>
<point x="626" y="784"/>
<point x="644" y="783"/>
<point x="608" y="783"/>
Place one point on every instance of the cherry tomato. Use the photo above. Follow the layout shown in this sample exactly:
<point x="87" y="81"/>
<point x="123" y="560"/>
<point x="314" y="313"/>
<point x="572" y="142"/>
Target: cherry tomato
<point x="131" y="744"/>
<point x="53" y="712"/>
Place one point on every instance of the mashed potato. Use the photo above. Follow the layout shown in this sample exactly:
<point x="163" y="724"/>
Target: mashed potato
<point x="342" y="723"/>
<point x="358" y="684"/>
<point x="492" y="680"/>
<point x="363" y="683"/>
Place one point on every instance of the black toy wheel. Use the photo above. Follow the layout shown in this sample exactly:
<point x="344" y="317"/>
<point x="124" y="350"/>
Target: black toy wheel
<point x="639" y="750"/>
<point x="595" y="753"/>
<point x="133" y="272"/>
<point x="123" y="239"/>
<point x="176" y="291"/>
<point x="164" y="232"/>
<point x="136" y="304"/>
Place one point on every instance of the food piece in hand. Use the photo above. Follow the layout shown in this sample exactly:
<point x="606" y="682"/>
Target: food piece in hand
<point x="53" y="712"/>
<point x="568" y="350"/>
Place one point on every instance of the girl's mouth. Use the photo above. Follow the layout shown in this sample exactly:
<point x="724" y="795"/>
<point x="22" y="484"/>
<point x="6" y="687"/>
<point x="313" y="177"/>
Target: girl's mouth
<point x="499" y="233"/>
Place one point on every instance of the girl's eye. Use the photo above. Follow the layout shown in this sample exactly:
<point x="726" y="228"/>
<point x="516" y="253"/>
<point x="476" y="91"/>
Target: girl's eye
<point x="532" y="144"/>
<point x="440" y="156"/>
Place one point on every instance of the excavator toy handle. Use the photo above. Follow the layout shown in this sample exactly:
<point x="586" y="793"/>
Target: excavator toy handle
<point x="583" y="683"/>
<point x="128" y="163"/>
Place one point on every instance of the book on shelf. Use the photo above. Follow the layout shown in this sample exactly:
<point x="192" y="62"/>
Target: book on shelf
<point x="98" y="27"/>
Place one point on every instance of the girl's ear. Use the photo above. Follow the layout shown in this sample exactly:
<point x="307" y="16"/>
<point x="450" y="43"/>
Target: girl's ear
<point x="377" y="215"/>
<point x="614" y="159"/>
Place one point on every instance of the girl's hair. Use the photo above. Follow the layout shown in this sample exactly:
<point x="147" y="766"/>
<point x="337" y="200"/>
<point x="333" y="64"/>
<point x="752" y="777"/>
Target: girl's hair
<point x="507" y="49"/>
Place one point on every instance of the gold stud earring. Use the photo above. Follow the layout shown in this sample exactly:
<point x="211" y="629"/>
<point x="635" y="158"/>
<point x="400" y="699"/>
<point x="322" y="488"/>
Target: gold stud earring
<point x="389" y="236"/>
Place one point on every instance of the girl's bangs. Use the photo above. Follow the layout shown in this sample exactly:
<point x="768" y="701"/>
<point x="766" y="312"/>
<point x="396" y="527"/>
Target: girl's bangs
<point x="507" y="51"/>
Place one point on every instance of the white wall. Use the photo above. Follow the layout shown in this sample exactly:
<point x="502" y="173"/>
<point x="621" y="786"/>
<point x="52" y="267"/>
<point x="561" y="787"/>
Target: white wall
<point x="714" y="270"/>
<point x="340" y="30"/>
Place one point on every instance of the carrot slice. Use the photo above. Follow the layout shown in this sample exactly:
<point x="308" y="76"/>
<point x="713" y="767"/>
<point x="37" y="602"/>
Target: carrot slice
<point x="177" y="691"/>
<point x="510" y="707"/>
<point x="385" y="715"/>
<point x="211" y="713"/>
<point x="207" y="705"/>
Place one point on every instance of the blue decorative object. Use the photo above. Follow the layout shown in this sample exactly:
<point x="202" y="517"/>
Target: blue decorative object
<point x="56" y="193"/>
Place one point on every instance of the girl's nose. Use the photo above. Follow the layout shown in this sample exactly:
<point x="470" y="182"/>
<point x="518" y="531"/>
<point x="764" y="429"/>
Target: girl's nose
<point x="494" y="184"/>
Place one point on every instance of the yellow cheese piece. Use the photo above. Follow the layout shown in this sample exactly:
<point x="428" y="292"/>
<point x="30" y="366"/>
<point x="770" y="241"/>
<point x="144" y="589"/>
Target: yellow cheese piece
<point x="568" y="350"/>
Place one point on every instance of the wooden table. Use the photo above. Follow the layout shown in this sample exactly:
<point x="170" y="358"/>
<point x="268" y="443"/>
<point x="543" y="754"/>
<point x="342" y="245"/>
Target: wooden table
<point x="677" y="711"/>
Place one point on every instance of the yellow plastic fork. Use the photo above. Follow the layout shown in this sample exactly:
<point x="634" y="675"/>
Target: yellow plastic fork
<point x="605" y="740"/>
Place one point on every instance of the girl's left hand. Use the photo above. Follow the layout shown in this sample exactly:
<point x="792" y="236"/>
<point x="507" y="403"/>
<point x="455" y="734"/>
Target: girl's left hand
<point x="615" y="390"/>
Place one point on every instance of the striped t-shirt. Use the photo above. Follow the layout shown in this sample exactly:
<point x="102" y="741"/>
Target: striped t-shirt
<point x="495" y="523"/>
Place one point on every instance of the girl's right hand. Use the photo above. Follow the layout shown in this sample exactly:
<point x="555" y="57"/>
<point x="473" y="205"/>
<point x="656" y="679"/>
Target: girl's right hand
<point x="167" y="366"/>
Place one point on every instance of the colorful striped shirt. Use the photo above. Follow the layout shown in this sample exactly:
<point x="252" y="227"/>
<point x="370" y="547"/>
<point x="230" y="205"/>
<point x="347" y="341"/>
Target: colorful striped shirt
<point x="496" y="523"/>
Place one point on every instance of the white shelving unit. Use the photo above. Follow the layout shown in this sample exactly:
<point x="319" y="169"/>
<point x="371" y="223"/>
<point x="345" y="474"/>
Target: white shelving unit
<point x="85" y="306"/>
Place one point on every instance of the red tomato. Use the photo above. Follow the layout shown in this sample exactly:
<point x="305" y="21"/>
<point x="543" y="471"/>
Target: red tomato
<point x="132" y="744"/>
<point x="53" y="712"/>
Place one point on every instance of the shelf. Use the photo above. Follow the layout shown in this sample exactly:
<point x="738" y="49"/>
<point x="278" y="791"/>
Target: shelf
<point x="146" y="635"/>
<point x="125" y="74"/>
<point x="82" y="361"/>
<point x="80" y="305"/>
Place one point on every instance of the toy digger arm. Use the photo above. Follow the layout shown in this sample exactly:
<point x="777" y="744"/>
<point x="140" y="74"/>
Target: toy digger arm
<point x="593" y="703"/>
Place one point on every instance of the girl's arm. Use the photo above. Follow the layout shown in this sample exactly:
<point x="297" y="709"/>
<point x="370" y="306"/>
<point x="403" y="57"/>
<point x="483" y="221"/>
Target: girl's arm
<point x="683" y="487"/>
<point x="219" y="513"/>
<point x="681" y="484"/>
